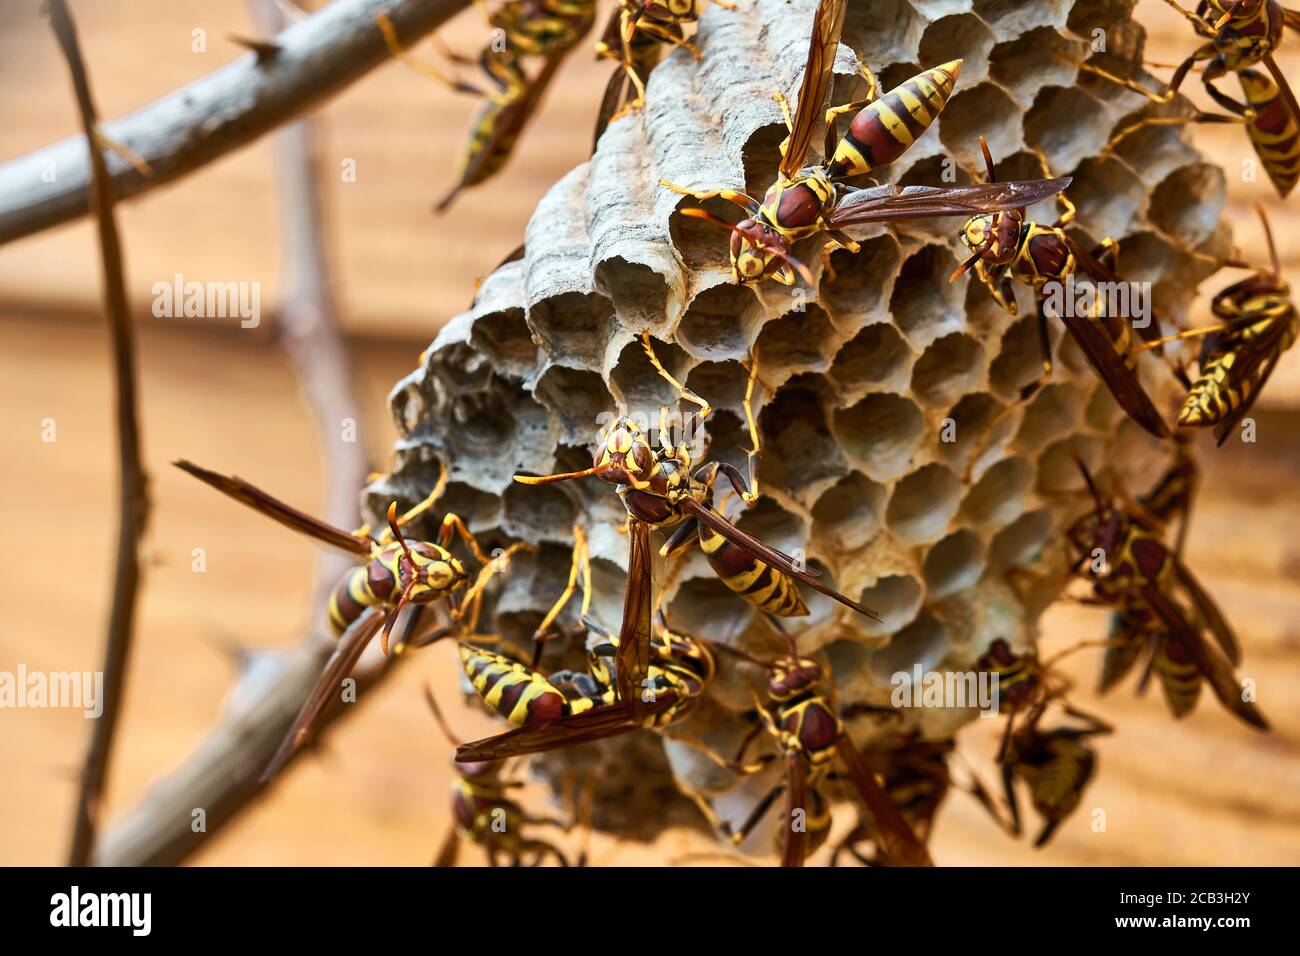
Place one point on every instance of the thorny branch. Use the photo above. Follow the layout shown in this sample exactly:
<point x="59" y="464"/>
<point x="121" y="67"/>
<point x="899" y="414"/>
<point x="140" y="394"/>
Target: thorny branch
<point x="221" y="776"/>
<point x="315" y="58"/>
<point x="133" y="504"/>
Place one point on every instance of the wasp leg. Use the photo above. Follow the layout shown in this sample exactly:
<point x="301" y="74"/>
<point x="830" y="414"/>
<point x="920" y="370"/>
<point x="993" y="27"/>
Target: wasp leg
<point x="415" y="63"/>
<point x="1068" y="209"/>
<point x="1191" y="17"/>
<point x="579" y="565"/>
<point x="839" y="239"/>
<point x="452" y="524"/>
<point x="755" y="817"/>
<point x="745" y="202"/>
<point x="682" y="391"/>
<point x="668" y="36"/>
<point x="833" y="114"/>
<point x="683" y="538"/>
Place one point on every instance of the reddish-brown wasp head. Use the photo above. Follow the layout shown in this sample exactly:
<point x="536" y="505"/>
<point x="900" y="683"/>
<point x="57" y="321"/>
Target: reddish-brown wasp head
<point x="625" y="456"/>
<point x="754" y="245"/>
<point x="993" y="236"/>
<point x="792" y="677"/>
<point x="1103" y="529"/>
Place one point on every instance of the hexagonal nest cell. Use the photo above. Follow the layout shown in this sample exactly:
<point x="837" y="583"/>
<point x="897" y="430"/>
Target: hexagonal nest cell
<point x="876" y="391"/>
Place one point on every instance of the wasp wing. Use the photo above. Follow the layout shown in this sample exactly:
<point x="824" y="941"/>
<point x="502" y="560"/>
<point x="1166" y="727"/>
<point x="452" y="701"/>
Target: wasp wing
<point x="782" y="562"/>
<point x="896" y="837"/>
<point x="1209" y="612"/>
<point x="633" y="658"/>
<point x="340" y="664"/>
<point x="794" y="844"/>
<point x="816" y="83"/>
<point x="1212" y="665"/>
<point x="1246" y="369"/>
<point x="1122" y="381"/>
<point x="277" y="510"/>
<point x="504" y="122"/>
<point x="607" y="720"/>
<point x="887" y="203"/>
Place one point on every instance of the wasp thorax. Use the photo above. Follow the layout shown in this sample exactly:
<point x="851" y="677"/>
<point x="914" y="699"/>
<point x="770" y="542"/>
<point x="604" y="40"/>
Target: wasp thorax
<point x="794" y="676"/>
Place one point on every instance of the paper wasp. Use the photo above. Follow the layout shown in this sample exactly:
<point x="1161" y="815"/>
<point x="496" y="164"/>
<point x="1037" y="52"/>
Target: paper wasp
<point x="808" y="200"/>
<point x="1258" y="322"/>
<point x="636" y="34"/>
<point x="800" y="717"/>
<point x="1159" y="603"/>
<point x="659" y="489"/>
<point x="1138" y="631"/>
<point x="485" y="815"/>
<point x="1238" y="34"/>
<point x="569" y="708"/>
<point x="1057" y="764"/>
<point x="915" y="777"/>
<point x="1006" y="248"/>
<point x="393" y="573"/>
<point x="546" y="29"/>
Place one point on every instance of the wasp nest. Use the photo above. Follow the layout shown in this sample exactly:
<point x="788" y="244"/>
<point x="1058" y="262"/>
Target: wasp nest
<point x="878" y="385"/>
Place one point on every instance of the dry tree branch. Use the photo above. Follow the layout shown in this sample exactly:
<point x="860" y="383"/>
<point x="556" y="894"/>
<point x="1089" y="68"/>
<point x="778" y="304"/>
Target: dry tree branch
<point x="221" y="776"/>
<point x="315" y="58"/>
<point x="133" y="504"/>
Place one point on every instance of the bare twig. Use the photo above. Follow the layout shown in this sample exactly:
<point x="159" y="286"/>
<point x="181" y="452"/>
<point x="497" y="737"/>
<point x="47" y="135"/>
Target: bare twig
<point x="133" y="505"/>
<point x="317" y="57"/>
<point x="221" y="777"/>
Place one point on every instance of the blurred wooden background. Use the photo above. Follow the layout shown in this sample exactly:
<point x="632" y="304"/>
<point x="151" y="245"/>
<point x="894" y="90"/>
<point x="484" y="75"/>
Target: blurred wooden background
<point x="1204" y="791"/>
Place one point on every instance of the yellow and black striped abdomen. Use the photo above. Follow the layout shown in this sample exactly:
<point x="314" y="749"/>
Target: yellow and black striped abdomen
<point x="359" y="589"/>
<point x="1179" y="676"/>
<point x="883" y="130"/>
<point x="1214" y="396"/>
<point x="520" y="695"/>
<point x="1275" y="132"/>
<point x="758" y="583"/>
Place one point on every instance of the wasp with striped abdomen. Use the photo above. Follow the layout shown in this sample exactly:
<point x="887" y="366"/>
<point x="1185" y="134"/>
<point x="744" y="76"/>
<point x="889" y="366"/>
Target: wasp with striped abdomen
<point x="569" y="708"/>
<point x="484" y="814"/>
<point x="1238" y="34"/>
<point x="808" y="200"/>
<point x="1159" y="601"/>
<point x="548" y="30"/>
<point x="1257" y="323"/>
<point x="661" y="488"/>
<point x="636" y="36"/>
<point x="393" y="573"/>
<point x="914" y="775"/>
<point x="1055" y="764"/>
<point x="799" y="717"/>
<point x="1007" y="248"/>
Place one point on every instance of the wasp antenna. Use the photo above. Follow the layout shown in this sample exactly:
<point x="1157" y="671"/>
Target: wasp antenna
<point x="551" y="479"/>
<point x="737" y="652"/>
<point x="438" y="716"/>
<point x="1087" y="478"/>
<point x="988" y="160"/>
<point x="392" y="617"/>
<point x="964" y="268"/>
<point x="397" y="531"/>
